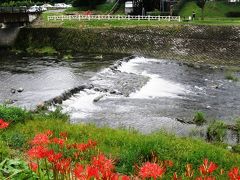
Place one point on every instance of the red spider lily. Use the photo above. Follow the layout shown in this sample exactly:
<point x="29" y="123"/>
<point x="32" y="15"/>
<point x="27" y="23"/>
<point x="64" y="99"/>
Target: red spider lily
<point x="168" y="163"/>
<point x="104" y="165"/>
<point x="206" y="178"/>
<point x="92" y="172"/>
<point x="91" y="143"/>
<point x="54" y="157"/>
<point x="38" y="152"/>
<point x="49" y="133"/>
<point x="40" y="139"/>
<point x="33" y="166"/>
<point x="63" y="135"/>
<point x="125" y="177"/>
<point x="79" y="172"/>
<point x="189" y="172"/>
<point x="81" y="147"/>
<point x="3" y="124"/>
<point x="234" y="174"/>
<point x="58" y="141"/>
<point x="151" y="170"/>
<point x="63" y="166"/>
<point x="207" y="168"/>
<point x="86" y="13"/>
<point x="175" y="176"/>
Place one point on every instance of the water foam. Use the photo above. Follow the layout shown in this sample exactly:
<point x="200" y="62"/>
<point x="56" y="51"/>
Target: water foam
<point x="156" y="86"/>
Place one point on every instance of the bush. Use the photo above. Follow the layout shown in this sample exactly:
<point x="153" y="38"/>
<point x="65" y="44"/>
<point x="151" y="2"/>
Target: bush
<point x="233" y="14"/>
<point x="199" y="118"/>
<point x="4" y="150"/>
<point x="231" y="76"/>
<point x="14" y="114"/>
<point x="15" y="169"/>
<point x="216" y="131"/>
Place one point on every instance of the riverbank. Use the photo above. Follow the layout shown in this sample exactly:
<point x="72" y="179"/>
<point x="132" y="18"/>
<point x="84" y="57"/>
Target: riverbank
<point x="127" y="148"/>
<point x="197" y="44"/>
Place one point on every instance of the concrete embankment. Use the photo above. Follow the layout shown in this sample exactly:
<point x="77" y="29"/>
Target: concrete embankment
<point x="211" y="44"/>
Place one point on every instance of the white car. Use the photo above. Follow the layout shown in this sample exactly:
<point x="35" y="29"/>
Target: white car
<point x="62" y="5"/>
<point x="34" y="9"/>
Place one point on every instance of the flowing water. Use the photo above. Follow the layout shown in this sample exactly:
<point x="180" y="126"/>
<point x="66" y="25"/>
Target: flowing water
<point x="142" y="93"/>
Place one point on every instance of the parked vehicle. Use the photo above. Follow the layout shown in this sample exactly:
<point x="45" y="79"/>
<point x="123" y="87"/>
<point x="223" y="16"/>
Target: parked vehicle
<point x="128" y="7"/>
<point x="62" y="5"/>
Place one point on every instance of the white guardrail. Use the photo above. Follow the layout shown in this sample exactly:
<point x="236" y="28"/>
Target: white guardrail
<point x="112" y="17"/>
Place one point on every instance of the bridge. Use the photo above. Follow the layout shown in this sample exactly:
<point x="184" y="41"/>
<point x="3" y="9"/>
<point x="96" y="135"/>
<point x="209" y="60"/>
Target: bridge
<point x="16" y="16"/>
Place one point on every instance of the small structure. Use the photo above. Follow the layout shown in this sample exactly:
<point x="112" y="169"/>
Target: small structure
<point x="128" y="7"/>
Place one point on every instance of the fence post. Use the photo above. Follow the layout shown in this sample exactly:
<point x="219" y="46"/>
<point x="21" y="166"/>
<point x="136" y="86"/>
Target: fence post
<point x="138" y="17"/>
<point x="89" y="17"/>
<point x="179" y="19"/>
<point x="55" y="18"/>
<point x="79" y="17"/>
<point x="158" y="17"/>
<point x="169" y="18"/>
<point x="149" y="17"/>
<point x="128" y="17"/>
<point x="108" y="17"/>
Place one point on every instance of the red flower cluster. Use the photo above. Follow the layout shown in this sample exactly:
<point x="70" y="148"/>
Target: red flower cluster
<point x="207" y="168"/>
<point x="234" y="174"/>
<point x="3" y="124"/>
<point x="65" y="160"/>
<point x="151" y="170"/>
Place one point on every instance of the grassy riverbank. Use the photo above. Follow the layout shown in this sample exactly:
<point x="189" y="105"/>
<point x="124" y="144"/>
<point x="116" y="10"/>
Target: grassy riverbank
<point x="127" y="147"/>
<point x="210" y="21"/>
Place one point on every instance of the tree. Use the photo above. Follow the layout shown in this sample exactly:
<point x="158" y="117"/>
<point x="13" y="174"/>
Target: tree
<point x="201" y="4"/>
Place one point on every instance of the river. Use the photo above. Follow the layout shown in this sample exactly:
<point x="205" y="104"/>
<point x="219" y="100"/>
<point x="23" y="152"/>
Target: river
<point x="142" y="93"/>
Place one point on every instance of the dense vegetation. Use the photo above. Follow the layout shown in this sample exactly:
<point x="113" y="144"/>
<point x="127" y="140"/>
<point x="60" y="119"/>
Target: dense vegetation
<point x="212" y="9"/>
<point x="126" y="149"/>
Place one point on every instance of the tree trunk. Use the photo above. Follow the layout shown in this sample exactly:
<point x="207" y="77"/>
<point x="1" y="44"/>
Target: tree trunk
<point x="202" y="18"/>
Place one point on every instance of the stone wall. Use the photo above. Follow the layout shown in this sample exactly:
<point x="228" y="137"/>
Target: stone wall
<point x="212" y="44"/>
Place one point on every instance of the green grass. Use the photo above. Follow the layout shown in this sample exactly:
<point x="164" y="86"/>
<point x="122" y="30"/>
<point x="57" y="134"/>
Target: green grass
<point x="213" y="9"/>
<point x="127" y="147"/>
<point x="47" y="50"/>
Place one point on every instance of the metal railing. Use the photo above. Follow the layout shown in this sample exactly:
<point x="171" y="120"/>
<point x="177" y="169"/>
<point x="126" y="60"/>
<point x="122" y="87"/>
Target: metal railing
<point x="13" y="9"/>
<point x="113" y="17"/>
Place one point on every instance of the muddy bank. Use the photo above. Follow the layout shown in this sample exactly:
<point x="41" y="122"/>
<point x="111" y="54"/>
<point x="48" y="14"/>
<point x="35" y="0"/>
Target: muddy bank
<point x="202" y="44"/>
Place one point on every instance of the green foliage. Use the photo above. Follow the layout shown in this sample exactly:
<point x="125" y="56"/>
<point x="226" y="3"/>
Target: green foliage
<point x="129" y="148"/>
<point x="199" y="118"/>
<point x="47" y="50"/>
<point x="217" y="131"/>
<point x="212" y="9"/>
<point x="14" y="114"/>
<point x="4" y="150"/>
<point x="236" y="148"/>
<point x="53" y="115"/>
<point x="231" y="76"/>
<point x="15" y="169"/>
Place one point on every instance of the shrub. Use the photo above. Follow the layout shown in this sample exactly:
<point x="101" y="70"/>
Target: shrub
<point x="236" y="148"/>
<point x="217" y="131"/>
<point x="4" y="150"/>
<point x="233" y="14"/>
<point x="231" y="76"/>
<point x="14" y="114"/>
<point x="199" y="118"/>
<point x="15" y="169"/>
